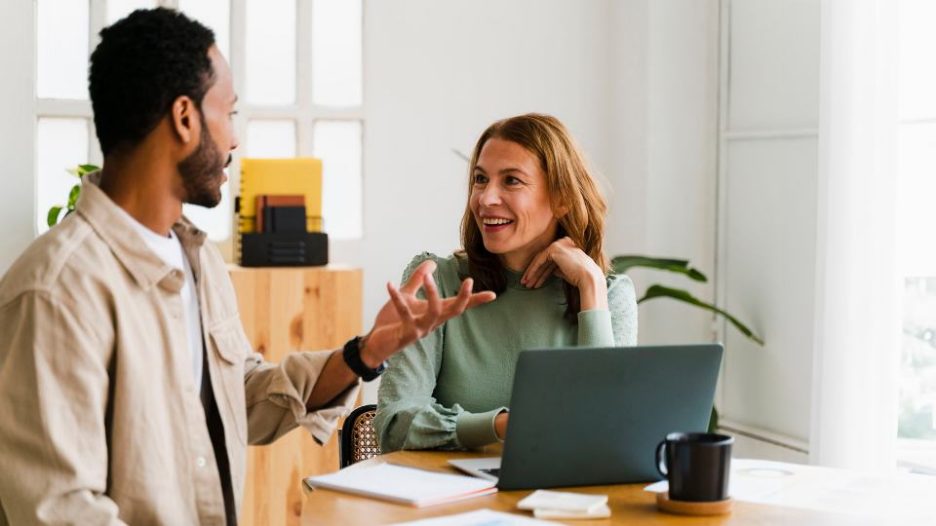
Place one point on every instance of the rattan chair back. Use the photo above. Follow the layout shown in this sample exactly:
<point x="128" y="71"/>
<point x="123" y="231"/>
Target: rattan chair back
<point x="358" y="437"/>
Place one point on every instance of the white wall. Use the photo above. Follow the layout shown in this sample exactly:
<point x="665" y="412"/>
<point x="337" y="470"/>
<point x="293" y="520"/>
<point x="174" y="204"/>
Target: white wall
<point x="664" y="129"/>
<point x="17" y="127"/>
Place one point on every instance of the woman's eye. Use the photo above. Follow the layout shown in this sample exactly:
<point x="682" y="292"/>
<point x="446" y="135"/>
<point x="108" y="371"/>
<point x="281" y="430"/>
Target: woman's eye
<point x="479" y="179"/>
<point x="511" y="180"/>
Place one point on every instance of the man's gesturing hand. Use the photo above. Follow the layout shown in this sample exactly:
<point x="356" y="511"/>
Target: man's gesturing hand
<point x="407" y="318"/>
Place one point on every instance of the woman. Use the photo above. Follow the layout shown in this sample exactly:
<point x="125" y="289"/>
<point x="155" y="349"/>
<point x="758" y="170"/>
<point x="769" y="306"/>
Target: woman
<point x="532" y="232"/>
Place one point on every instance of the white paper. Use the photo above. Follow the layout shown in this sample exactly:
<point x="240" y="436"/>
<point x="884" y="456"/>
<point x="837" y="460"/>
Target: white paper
<point x="562" y="500"/>
<point x="403" y="484"/>
<point x="600" y="512"/>
<point x="480" y="518"/>
<point x="898" y="497"/>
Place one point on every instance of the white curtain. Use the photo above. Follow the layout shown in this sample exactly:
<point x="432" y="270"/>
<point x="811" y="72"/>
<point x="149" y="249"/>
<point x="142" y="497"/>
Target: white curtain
<point x="854" y="420"/>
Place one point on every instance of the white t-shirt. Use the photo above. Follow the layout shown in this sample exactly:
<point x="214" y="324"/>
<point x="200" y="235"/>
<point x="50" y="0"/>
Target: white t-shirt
<point x="169" y="249"/>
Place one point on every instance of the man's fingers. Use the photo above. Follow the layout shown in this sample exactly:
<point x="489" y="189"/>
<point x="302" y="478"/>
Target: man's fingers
<point x="480" y="298"/>
<point x="403" y="311"/>
<point x="426" y="268"/>
<point x="460" y="302"/>
<point x="426" y="322"/>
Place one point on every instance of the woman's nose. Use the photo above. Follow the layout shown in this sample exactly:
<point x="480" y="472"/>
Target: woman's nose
<point x="489" y="196"/>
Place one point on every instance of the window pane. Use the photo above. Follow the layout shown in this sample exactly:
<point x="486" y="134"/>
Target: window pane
<point x="338" y="145"/>
<point x="61" y="144"/>
<point x="271" y="139"/>
<point x="62" y="49"/>
<point x="215" y="221"/>
<point x="215" y="14"/>
<point x="917" y="79"/>
<point x="917" y="416"/>
<point x="916" y="214"/>
<point x="117" y="9"/>
<point x="271" y="51"/>
<point x="336" y="52"/>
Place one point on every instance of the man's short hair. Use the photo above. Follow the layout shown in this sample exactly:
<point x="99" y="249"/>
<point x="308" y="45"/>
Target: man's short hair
<point x="143" y="63"/>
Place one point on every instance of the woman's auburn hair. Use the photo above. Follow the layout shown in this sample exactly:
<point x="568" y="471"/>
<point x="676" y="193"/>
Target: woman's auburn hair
<point x="571" y="188"/>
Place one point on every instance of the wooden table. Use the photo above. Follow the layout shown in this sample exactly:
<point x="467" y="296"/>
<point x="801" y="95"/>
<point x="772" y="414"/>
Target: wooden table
<point x="629" y="503"/>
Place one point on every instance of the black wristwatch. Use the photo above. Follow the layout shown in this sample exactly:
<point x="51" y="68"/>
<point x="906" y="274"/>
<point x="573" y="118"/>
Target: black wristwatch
<point x="352" y="357"/>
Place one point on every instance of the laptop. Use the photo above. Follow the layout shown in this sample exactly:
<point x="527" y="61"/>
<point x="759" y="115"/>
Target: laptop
<point x="593" y="416"/>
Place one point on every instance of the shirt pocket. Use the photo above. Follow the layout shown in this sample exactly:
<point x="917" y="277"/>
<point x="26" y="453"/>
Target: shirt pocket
<point x="230" y="347"/>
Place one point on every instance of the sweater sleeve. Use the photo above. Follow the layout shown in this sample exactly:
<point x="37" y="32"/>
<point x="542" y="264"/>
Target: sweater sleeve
<point x="616" y="326"/>
<point x="408" y="415"/>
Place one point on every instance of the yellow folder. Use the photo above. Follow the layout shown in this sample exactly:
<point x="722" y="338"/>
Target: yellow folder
<point x="297" y="176"/>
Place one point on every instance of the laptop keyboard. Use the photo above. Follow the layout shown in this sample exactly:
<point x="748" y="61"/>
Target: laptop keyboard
<point x="492" y="471"/>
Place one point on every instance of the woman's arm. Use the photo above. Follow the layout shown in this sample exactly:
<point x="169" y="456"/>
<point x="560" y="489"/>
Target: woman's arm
<point x="622" y="305"/>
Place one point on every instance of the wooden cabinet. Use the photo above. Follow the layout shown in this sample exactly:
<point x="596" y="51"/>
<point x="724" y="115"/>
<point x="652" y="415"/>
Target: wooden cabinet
<point x="286" y="310"/>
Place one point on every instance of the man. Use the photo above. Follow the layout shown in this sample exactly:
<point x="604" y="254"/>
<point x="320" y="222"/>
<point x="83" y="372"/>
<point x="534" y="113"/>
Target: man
<point x="127" y="389"/>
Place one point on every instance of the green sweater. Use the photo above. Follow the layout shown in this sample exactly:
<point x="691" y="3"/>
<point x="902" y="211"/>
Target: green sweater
<point x="445" y="390"/>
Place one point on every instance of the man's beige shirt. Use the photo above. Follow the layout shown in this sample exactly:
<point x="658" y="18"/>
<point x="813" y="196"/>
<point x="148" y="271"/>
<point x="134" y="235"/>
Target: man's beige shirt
<point x="100" y="419"/>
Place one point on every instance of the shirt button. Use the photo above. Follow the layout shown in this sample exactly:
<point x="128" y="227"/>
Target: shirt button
<point x="201" y="462"/>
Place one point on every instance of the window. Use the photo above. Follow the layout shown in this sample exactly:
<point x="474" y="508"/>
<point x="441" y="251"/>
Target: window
<point x="917" y="220"/>
<point x="916" y="142"/>
<point x="297" y="67"/>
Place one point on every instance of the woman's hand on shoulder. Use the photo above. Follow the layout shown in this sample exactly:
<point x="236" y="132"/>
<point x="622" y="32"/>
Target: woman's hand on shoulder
<point x="564" y="259"/>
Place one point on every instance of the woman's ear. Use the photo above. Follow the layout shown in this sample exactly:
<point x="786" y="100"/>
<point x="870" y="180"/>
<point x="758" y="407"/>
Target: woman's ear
<point x="561" y="211"/>
<point x="184" y="118"/>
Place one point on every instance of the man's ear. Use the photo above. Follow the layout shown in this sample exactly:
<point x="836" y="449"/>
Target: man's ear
<point x="184" y="118"/>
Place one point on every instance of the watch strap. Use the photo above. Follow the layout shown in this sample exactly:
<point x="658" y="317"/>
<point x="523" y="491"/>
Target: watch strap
<point x="352" y="357"/>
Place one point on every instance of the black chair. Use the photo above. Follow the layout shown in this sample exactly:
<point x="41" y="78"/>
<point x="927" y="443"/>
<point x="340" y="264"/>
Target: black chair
<point x="358" y="437"/>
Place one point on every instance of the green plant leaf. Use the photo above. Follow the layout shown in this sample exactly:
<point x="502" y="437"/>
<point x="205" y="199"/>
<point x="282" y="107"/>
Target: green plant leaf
<point x="82" y="170"/>
<point x="52" y="216"/>
<point x="660" y="291"/>
<point x="85" y="169"/>
<point x="73" y="196"/>
<point x="622" y="264"/>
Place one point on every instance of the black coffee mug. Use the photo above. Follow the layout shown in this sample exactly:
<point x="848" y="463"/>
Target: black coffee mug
<point x="696" y="465"/>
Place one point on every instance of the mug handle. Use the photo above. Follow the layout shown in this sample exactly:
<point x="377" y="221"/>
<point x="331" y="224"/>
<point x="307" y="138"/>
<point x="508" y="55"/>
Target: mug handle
<point x="660" y="460"/>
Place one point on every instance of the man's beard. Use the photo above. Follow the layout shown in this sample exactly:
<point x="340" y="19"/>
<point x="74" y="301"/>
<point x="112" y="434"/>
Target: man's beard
<point x="201" y="171"/>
